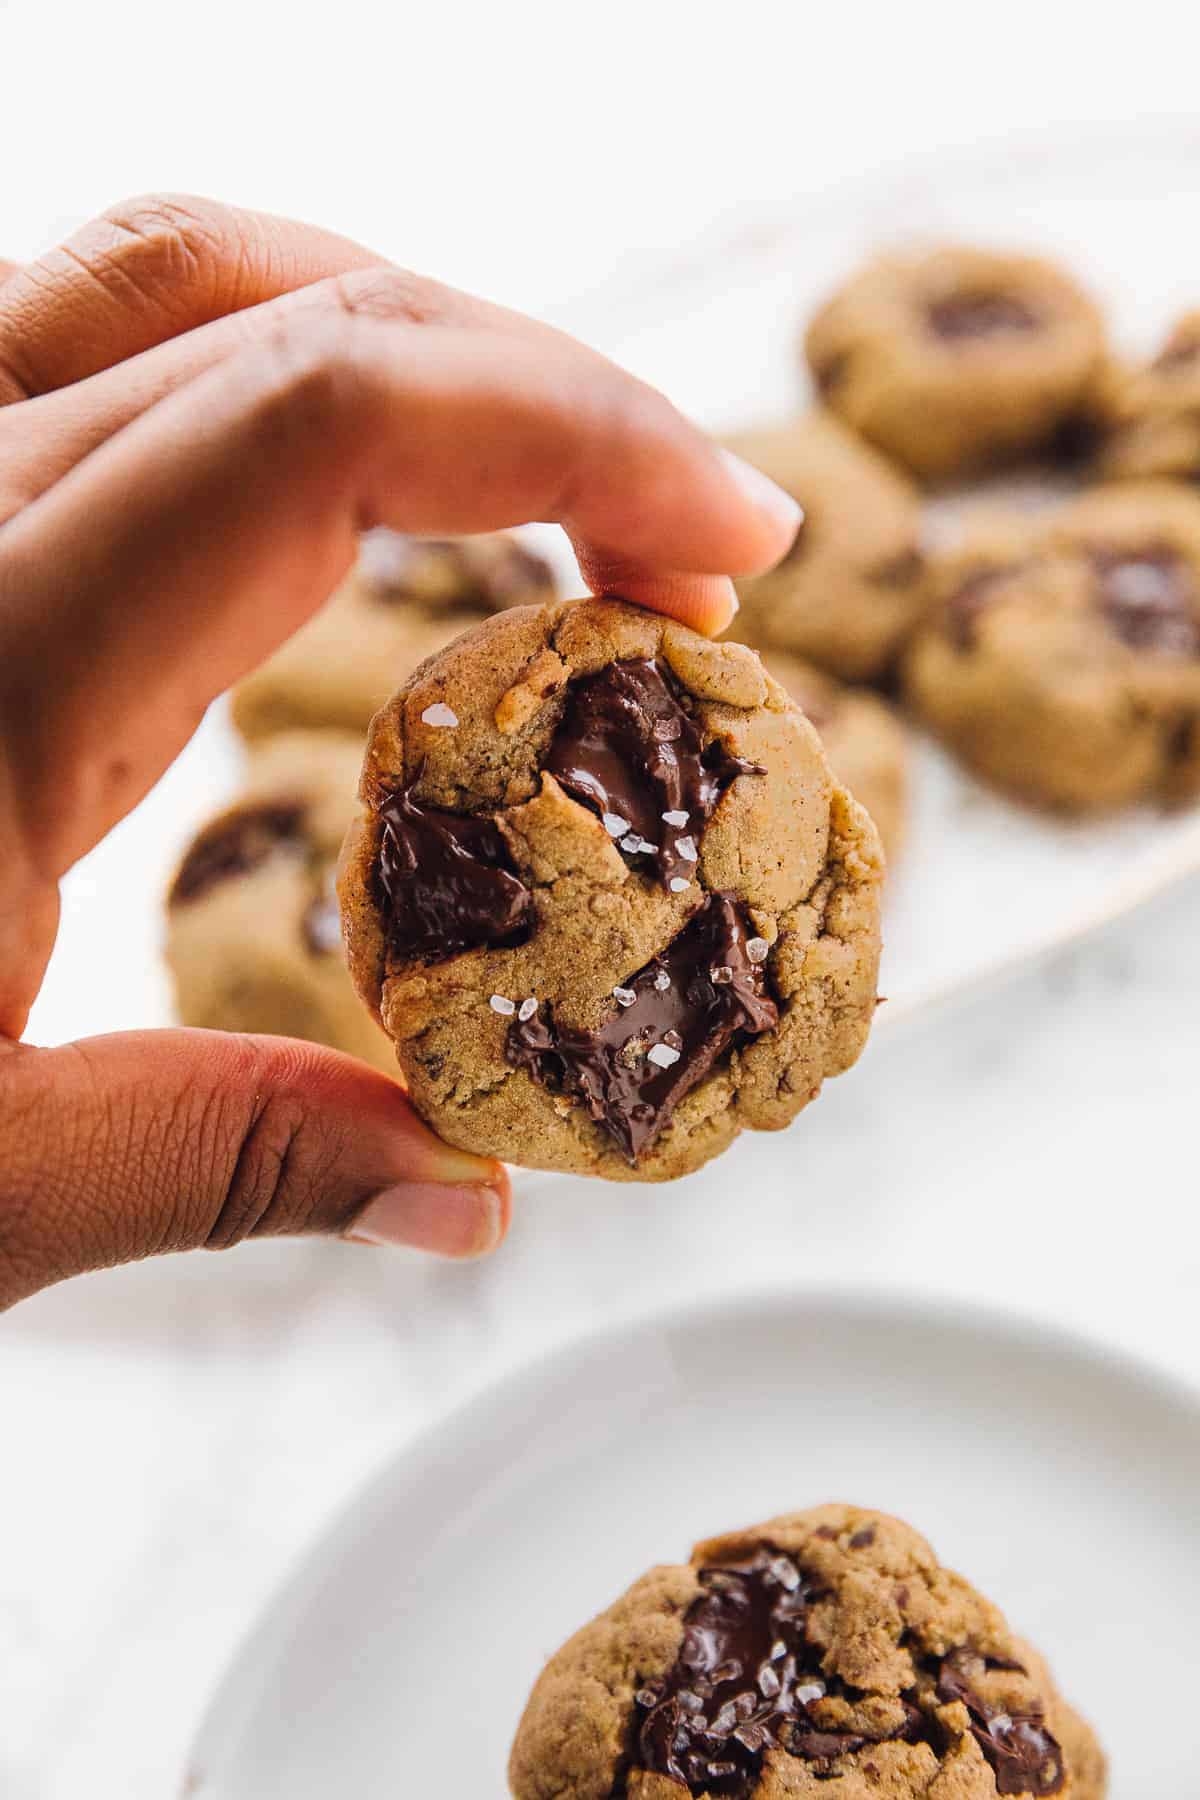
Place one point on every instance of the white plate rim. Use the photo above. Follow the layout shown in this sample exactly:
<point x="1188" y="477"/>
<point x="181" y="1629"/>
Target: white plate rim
<point x="248" y="1672"/>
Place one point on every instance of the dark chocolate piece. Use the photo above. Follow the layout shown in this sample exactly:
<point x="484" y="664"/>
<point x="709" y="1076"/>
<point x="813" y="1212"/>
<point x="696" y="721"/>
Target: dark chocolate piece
<point x="963" y="317"/>
<point x="627" y="749"/>
<point x="397" y="568"/>
<point x="1150" y="599"/>
<point x="667" y="1029"/>
<point x="746" y="1680"/>
<point x="236" y="844"/>
<point x="901" y="571"/>
<point x="862" y="1540"/>
<point x="832" y="372"/>
<point x="447" y="881"/>
<point x="966" y="603"/>
<point x="1024" y="1756"/>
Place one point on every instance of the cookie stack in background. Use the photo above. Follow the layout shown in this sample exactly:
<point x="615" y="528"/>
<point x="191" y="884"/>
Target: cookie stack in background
<point x="1054" y="648"/>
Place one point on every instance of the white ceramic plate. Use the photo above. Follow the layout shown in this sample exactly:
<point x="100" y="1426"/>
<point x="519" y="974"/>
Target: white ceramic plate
<point x="1062" y="1479"/>
<point x="983" y="886"/>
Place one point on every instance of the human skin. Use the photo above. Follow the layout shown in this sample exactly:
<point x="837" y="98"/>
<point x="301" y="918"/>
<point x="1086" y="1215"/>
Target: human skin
<point x="200" y="409"/>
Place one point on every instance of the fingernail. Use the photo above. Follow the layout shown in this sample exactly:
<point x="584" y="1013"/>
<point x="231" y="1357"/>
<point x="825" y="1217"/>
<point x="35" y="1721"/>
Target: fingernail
<point x="429" y="1215"/>
<point x="765" y="495"/>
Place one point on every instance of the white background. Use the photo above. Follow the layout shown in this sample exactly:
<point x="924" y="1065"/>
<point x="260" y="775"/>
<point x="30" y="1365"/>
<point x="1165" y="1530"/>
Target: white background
<point x="171" y="1435"/>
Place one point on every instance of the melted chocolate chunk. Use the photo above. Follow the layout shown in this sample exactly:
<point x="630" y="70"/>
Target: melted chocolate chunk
<point x="746" y="1680"/>
<point x="901" y="571"/>
<point x="1024" y="1757"/>
<point x="447" y="881"/>
<point x="963" y="608"/>
<point x="962" y="317"/>
<point x="666" y="1030"/>
<point x="235" y="845"/>
<point x="831" y="373"/>
<point x="627" y="749"/>
<point x="483" y="577"/>
<point x="1150" y="599"/>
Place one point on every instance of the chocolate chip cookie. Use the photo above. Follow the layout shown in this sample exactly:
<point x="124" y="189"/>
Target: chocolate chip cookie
<point x="405" y="598"/>
<point x="1062" y="660"/>
<point x="953" y="359"/>
<point x="851" y="588"/>
<point x="864" y="738"/>
<point x="605" y="895"/>
<point x="1151" y="411"/>
<point x="253" y="937"/>
<point x="827" y="1654"/>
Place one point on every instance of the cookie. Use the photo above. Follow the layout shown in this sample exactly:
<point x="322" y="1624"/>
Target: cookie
<point x="826" y="1652"/>
<point x="405" y="599"/>
<point x="1062" y="660"/>
<point x="851" y="589"/>
<point x="605" y="895"/>
<point x="1151" y="411"/>
<point x="865" y="741"/>
<point x="952" y="359"/>
<point x="253" y="938"/>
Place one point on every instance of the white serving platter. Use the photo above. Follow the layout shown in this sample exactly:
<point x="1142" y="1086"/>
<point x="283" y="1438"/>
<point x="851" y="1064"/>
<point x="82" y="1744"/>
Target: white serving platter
<point x="983" y="886"/>
<point x="1059" y="1477"/>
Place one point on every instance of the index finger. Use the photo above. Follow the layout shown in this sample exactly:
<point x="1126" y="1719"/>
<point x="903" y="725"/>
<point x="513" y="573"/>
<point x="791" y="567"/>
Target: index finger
<point x="210" y="528"/>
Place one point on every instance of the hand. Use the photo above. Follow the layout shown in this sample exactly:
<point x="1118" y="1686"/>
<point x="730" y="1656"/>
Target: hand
<point x="199" y="411"/>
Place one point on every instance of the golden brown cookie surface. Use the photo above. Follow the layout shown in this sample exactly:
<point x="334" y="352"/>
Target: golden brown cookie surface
<point x="954" y="358"/>
<point x="1062" y="660"/>
<point x="822" y="1653"/>
<point x="405" y="599"/>
<point x="851" y="588"/>
<point x="605" y="895"/>
<point x="865" y="740"/>
<point x="253" y="936"/>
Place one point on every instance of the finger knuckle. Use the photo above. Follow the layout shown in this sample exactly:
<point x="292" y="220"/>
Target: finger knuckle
<point x="313" y="375"/>
<point x="159" y="244"/>
<point x="392" y="294"/>
<point x="277" y="1169"/>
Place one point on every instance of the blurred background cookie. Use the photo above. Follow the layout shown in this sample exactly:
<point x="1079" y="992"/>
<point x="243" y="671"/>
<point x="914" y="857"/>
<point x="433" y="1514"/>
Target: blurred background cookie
<point x="253" y="937"/>
<point x="403" y="600"/>
<point x="1151" y="410"/>
<point x="865" y="740"/>
<point x="823" y="1647"/>
<point x="955" y="358"/>
<point x="852" y="586"/>
<point x="1062" y="658"/>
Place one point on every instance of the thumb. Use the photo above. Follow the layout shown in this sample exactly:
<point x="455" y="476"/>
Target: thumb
<point x="122" y="1147"/>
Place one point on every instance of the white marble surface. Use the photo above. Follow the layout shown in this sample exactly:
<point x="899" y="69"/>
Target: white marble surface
<point x="171" y="1435"/>
<point x="174" y="1433"/>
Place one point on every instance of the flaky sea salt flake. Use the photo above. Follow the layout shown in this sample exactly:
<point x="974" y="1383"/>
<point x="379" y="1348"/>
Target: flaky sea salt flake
<point x="624" y="996"/>
<point x="662" y="981"/>
<point x="678" y="885"/>
<point x="663" y="1055"/>
<point x="614" y="824"/>
<point x="527" y="1009"/>
<point x="756" y="949"/>
<point x="499" y="1004"/>
<point x="439" y="714"/>
<point x="686" y="847"/>
<point x="677" y="818"/>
